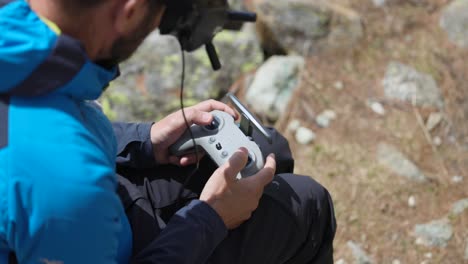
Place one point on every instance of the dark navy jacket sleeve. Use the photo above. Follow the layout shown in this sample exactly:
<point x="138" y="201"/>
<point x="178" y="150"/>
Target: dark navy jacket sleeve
<point x="190" y="237"/>
<point x="134" y="148"/>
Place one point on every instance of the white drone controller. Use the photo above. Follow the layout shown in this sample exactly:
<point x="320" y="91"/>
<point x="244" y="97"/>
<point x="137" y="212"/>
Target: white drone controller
<point x="223" y="137"/>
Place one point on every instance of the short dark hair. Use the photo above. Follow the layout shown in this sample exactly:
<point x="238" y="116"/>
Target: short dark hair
<point x="77" y="7"/>
<point x="155" y="4"/>
<point x="81" y="4"/>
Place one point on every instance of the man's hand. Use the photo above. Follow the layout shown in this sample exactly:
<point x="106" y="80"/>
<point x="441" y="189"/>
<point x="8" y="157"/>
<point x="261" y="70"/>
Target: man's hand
<point x="167" y="131"/>
<point x="235" y="200"/>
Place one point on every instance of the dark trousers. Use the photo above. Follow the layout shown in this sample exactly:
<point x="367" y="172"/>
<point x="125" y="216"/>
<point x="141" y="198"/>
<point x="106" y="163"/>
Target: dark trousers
<point x="294" y="222"/>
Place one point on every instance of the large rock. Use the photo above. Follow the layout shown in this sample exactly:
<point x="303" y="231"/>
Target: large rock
<point x="404" y="83"/>
<point x="434" y="234"/>
<point x="393" y="159"/>
<point x="454" y="21"/>
<point x="150" y="83"/>
<point x="273" y="85"/>
<point x="306" y="27"/>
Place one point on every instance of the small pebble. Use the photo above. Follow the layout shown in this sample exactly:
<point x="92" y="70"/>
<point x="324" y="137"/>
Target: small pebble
<point x="305" y="136"/>
<point x="340" y="261"/>
<point x="339" y="86"/>
<point x="434" y="120"/>
<point x="377" y="108"/>
<point x="457" y="179"/>
<point x="412" y="201"/>
<point x="324" y="119"/>
<point x="294" y="125"/>
<point x="428" y="255"/>
<point x="420" y="241"/>
<point x="330" y="114"/>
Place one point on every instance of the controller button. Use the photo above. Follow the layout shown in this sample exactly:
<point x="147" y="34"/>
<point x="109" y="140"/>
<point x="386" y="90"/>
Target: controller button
<point x="214" y="124"/>
<point x="212" y="140"/>
<point x="224" y="154"/>
<point x="219" y="146"/>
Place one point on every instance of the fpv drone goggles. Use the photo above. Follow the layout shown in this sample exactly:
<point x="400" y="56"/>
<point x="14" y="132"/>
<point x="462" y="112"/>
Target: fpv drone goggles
<point x="195" y="23"/>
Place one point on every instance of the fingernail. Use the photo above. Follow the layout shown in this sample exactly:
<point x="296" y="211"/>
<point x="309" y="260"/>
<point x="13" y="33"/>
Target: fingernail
<point x="273" y="156"/>
<point x="244" y="150"/>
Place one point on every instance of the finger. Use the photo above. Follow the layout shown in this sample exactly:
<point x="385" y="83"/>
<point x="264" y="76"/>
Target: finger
<point x="195" y="116"/>
<point x="211" y="105"/>
<point x="191" y="159"/>
<point x="235" y="164"/>
<point x="186" y="159"/>
<point x="174" y="160"/>
<point x="265" y="175"/>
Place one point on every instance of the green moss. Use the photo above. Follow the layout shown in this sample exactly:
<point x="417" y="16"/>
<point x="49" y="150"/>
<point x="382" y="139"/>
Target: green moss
<point x="226" y="36"/>
<point x="425" y="65"/>
<point x="249" y="66"/>
<point x="202" y="58"/>
<point x="188" y="101"/>
<point x="119" y="99"/>
<point x="169" y="63"/>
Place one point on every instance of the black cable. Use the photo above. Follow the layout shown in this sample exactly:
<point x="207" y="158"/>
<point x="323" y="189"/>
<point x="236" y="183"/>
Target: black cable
<point x="182" y="107"/>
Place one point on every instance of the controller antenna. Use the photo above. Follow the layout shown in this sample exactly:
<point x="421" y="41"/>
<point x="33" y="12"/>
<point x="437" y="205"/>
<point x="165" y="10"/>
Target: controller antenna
<point x="213" y="55"/>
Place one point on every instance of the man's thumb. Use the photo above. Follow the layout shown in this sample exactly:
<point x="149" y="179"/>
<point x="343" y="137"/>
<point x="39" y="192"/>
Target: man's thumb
<point x="265" y="175"/>
<point x="236" y="163"/>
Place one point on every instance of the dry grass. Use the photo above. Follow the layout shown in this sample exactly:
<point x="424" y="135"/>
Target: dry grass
<point x="371" y="202"/>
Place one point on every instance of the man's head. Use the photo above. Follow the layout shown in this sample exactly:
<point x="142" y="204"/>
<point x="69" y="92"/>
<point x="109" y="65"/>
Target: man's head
<point x="134" y="32"/>
<point x="111" y="30"/>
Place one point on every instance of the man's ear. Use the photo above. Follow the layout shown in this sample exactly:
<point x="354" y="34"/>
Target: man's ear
<point x="129" y="15"/>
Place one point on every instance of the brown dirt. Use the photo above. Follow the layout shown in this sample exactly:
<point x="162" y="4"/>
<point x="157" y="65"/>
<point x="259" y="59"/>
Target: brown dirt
<point x="371" y="202"/>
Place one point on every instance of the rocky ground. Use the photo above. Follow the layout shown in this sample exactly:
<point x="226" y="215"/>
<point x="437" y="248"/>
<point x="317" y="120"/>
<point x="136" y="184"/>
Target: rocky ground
<point x="372" y="95"/>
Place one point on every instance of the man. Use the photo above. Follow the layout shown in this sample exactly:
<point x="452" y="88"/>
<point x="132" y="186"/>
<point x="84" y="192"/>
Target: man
<point x="58" y="199"/>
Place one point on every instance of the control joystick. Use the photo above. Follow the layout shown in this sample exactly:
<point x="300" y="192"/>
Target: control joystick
<point x="214" y="124"/>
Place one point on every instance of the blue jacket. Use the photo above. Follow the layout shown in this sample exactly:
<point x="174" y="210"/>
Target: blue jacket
<point x="58" y="198"/>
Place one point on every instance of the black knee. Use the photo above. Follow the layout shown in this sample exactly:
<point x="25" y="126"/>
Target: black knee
<point x="312" y="206"/>
<point x="280" y="147"/>
<point x="322" y="222"/>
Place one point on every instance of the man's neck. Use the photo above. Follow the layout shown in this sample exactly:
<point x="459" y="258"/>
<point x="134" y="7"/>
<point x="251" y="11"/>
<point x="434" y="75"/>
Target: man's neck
<point x="74" y="26"/>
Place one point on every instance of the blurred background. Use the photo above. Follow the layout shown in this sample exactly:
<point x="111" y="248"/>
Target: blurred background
<point x="373" y="97"/>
